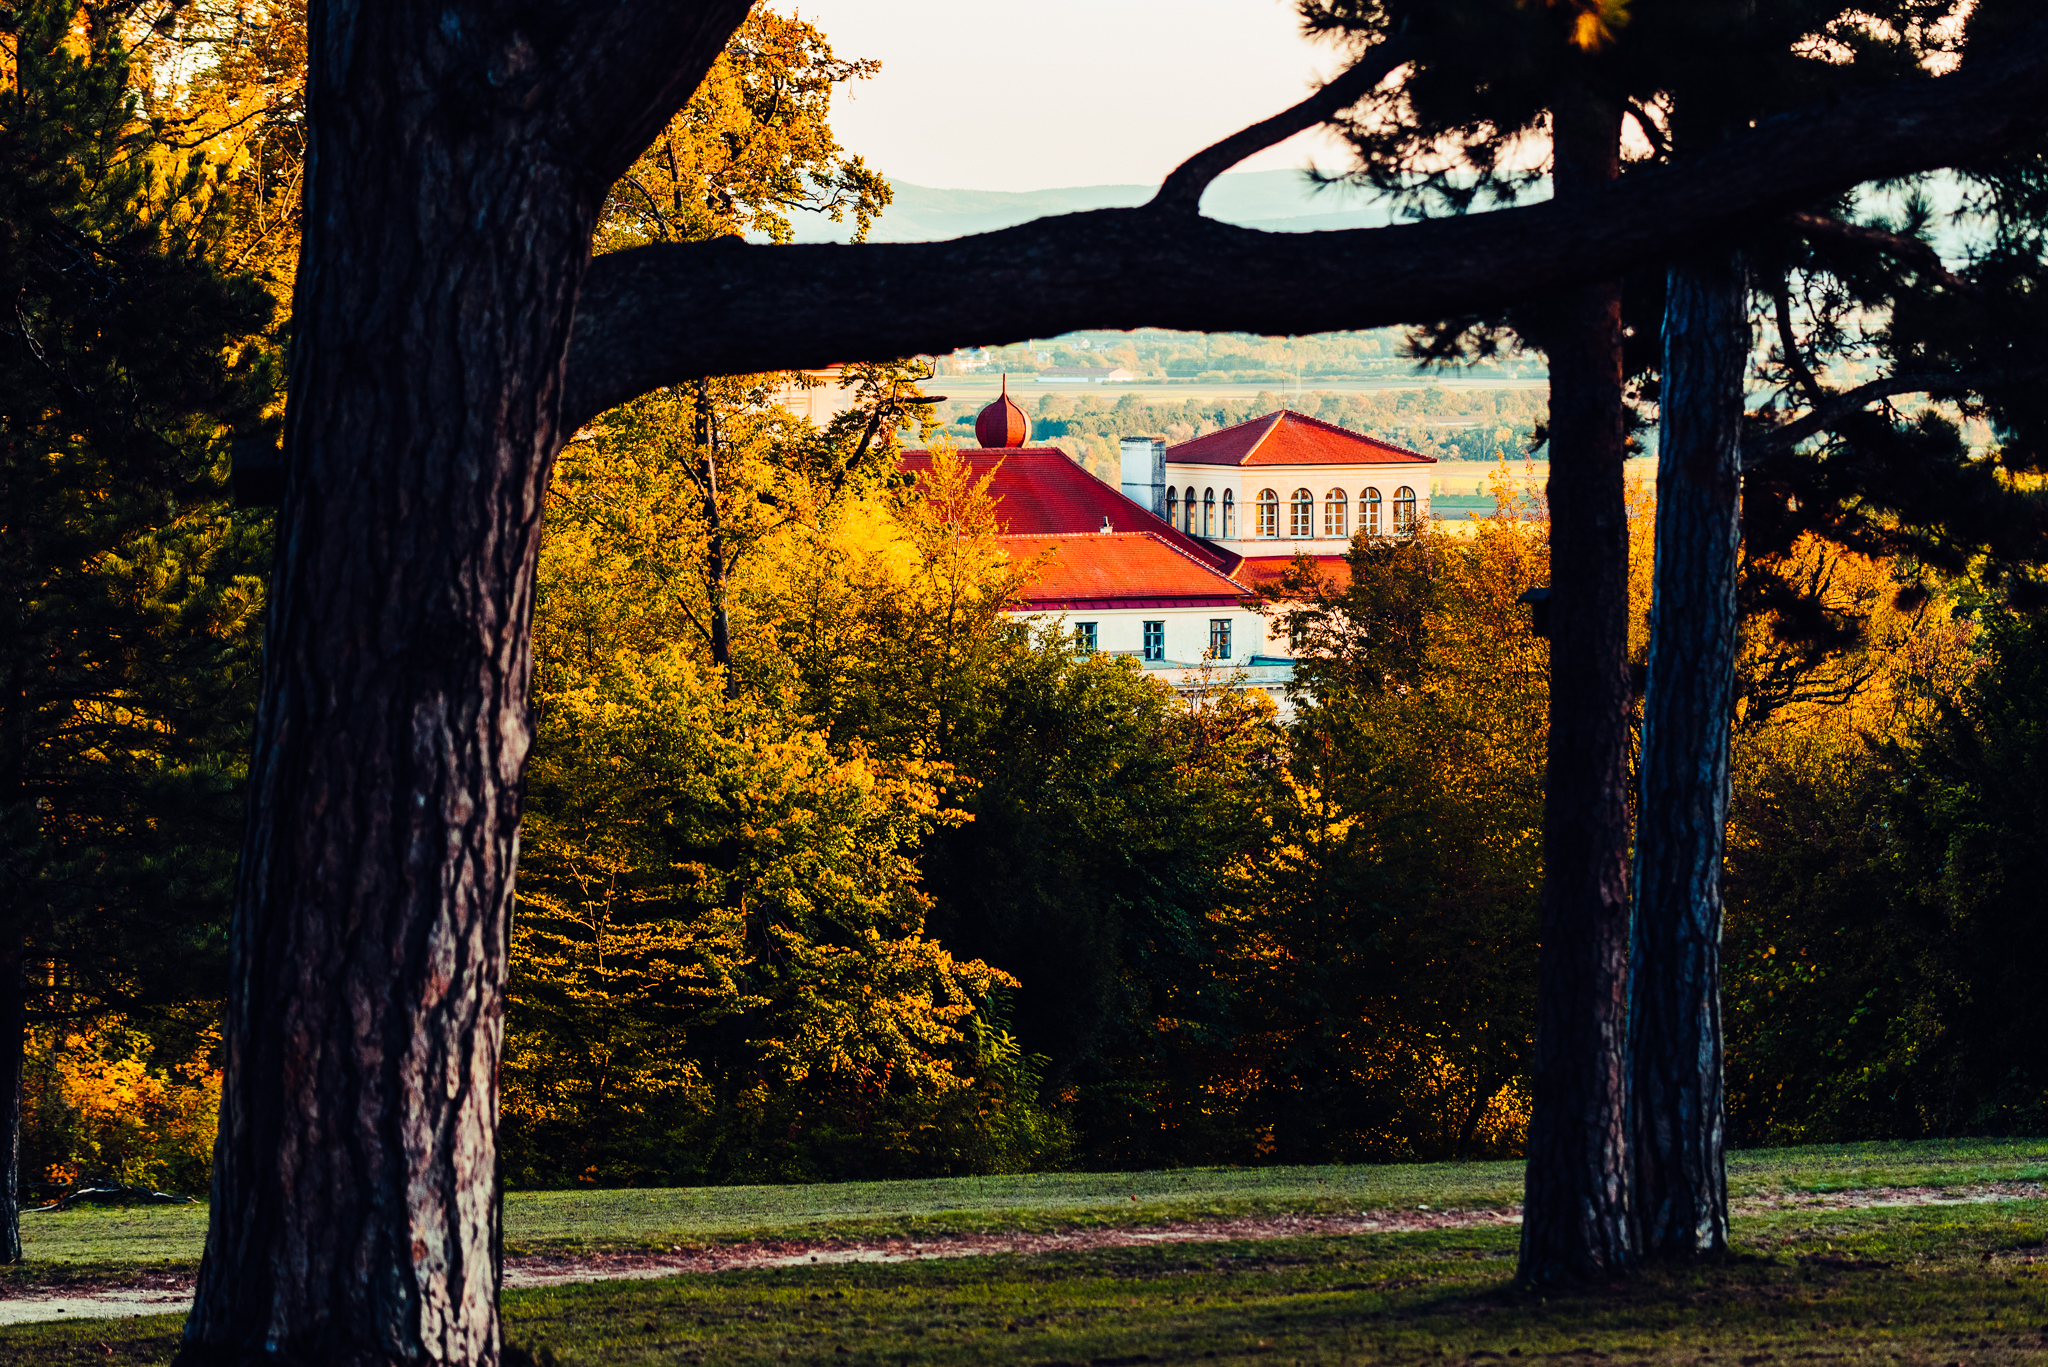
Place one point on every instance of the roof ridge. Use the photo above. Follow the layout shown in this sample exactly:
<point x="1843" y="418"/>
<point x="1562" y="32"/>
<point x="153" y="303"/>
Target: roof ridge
<point x="1347" y="432"/>
<point x="1191" y="560"/>
<point x="1273" y="421"/>
<point x="1279" y="415"/>
<point x="1245" y="422"/>
<point x="1079" y="536"/>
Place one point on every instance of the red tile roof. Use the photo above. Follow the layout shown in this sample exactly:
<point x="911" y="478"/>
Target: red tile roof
<point x="1259" y="571"/>
<point x="1119" y="569"/>
<point x="1291" y="438"/>
<point x="1039" y="491"/>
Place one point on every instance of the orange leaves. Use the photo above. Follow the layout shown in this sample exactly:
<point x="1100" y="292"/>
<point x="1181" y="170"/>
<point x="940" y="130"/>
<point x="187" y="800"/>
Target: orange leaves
<point x="1594" y="23"/>
<point x="97" y="1107"/>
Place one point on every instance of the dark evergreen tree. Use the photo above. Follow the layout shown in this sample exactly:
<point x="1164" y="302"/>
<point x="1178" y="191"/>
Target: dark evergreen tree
<point x="127" y="660"/>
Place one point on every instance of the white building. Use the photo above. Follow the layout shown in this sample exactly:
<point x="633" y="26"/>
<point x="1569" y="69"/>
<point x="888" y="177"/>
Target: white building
<point x="1166" y="570"/>
<point x="1279" y="485"/>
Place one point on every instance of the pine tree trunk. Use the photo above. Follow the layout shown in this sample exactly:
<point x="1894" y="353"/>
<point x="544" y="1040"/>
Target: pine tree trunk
<point x="355" y="1214"/>
<point x="13" y="1059"/>
<point x="1575" y="1218"/>
<point x="1675" y="1038"/>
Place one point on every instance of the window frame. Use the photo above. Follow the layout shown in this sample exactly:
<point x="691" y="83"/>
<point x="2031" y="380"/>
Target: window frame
<point x="1154" y="639"/>
<point x="1208" y="512"/>
<point x="1301" y="515"/>
<point x="1172" y="505"/>
<point x="1229" y="516"/>
<point x="1336" y="514"/>
<point x="1405" y="518"/>
<point x="1087" y="640"/>
<point x="1269" y="513"/>
<point x="1369" y="512"/>
<point x="1219" y="638"/>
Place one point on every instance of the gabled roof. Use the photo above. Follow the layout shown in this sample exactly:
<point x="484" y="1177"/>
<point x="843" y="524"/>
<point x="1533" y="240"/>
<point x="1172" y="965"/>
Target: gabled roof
<point x="1119" y="569"/>
<point x="1039" y="491"/>
<point x="1290" y="438"/>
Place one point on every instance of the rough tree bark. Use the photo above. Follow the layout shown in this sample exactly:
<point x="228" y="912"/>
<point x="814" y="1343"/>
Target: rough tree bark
<point x="1681" y="1195"/>
<point x="459" y="154"/>
<point x="1575" y="1214"/>
<point x="457" y="164"/>
<point x="13" y="1055"/>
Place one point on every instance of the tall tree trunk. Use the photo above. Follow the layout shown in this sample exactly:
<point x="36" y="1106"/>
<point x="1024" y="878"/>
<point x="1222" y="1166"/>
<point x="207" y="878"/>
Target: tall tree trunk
<point x="717" y="562"/>
<point x="1675" y="970"/>
<point x="1575" y="1219"/>
<point x="355" y="1206"/>
<point x="13" y="1058"/>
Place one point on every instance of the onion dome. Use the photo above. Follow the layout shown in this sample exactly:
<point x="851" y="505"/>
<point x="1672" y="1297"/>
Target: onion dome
<point x="1002" y="423"/>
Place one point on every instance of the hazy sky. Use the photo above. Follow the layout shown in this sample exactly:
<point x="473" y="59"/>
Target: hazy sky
<point x="1040" y="94"/>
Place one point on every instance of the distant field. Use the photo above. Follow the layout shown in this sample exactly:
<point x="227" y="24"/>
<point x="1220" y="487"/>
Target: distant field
<point x="1023" y="387"/>
<point x="1468" y="478"/>
<point x="543" y="1220"/>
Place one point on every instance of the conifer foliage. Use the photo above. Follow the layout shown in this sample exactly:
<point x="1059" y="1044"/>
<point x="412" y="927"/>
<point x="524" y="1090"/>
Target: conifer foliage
<point x="130" y="352"/>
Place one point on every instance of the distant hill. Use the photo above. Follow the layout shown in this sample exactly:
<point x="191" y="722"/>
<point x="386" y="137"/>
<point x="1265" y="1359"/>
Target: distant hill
<point x="1275" y="201"/>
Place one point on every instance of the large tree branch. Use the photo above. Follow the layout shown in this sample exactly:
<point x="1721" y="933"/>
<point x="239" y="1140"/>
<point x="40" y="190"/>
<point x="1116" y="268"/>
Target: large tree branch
<point x="663" y="313"/>
<point x="1911" y="250"/>
<point x="1830" y="411"/>
<point x="1182" y="191"/>
<point x="614" y="78"/>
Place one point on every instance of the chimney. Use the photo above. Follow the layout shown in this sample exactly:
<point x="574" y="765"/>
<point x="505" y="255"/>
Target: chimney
<point x="1144" y="473"/>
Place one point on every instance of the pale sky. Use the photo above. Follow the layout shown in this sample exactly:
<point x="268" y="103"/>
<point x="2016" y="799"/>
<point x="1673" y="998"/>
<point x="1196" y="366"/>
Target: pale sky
<point x="1044" y="94"/>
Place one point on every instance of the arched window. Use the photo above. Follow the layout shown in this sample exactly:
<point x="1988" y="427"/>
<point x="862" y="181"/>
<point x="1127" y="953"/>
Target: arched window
<point x="1172" y="505"/>
<point x="1208" y="512"/>
<point x="1404" y="511"/>
<point x="1336" y="514"/>
<point x="1269" y="513"/>
<point x="1369" y="512"/>
<point x="1229" y="515"/>
<point x="1301" y="515"/>
<point x="1188" y="511"/>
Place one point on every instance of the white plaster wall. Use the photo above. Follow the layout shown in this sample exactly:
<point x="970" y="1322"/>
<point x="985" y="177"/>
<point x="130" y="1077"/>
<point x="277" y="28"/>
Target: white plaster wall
<point x="1122" y="630"/>
<point x="1246" y="483"/>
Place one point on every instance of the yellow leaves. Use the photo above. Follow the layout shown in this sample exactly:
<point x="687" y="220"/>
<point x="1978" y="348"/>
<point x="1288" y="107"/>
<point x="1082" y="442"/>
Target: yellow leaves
<point x="753" y="146"/>
<point x="94" y="1106"/>
<point x="1594" y="23"/>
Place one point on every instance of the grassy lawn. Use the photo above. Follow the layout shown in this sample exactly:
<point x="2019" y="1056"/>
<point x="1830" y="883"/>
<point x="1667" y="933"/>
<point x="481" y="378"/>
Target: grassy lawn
<point x="1913" y="1286"/>
<point x="544" y="1221"/>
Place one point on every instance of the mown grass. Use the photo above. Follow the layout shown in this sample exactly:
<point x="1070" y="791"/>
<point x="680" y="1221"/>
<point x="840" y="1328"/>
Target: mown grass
<point x="1913" y="1286"/>
<point x="102" y="1240"/>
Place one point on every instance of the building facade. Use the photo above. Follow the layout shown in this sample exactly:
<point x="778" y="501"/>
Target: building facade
<point x="1164" y="570"/>
<point x="1280" y="485"/>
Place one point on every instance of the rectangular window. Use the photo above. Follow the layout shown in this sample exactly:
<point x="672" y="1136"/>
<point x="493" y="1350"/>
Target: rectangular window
<point x="1155" y="640"/>
<point x="1219" y="638"/>
<point x="1084" y="638"/>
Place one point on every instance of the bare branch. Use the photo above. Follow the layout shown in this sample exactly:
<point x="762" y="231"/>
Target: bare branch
<point x="1788" y="343"/>
<point x="1831" y="410"/>
<point x="1182" y="191"/>
<point x="1821" y="228"/>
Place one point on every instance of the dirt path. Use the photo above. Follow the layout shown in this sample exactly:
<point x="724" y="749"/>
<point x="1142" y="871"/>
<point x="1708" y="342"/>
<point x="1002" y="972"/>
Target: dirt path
<point x="169" y="1293"/>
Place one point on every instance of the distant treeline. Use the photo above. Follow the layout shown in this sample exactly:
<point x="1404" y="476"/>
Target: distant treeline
<point x="1449" y="424"/>
<point x="1154" y="354"/>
